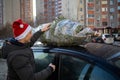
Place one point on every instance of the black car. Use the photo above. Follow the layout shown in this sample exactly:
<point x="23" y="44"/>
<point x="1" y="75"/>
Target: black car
<point x="98" y="40"/>
<point x="75" y="63"/>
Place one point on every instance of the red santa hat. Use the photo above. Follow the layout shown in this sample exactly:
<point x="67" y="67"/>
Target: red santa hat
<point x="20" y="29"/>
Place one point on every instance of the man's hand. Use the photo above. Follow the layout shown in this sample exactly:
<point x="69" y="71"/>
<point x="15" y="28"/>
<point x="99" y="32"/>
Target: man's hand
<point x="46" y="27"/>
<point x="53" y="66"/>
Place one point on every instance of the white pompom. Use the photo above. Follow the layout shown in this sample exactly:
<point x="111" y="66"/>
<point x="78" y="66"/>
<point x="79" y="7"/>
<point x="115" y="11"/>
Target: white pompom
<point x="21" y="26"/>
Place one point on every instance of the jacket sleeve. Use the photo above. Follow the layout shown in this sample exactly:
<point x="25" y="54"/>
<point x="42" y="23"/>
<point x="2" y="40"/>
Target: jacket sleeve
<point x="35" y="37"/>
<point x="24" y="69"/>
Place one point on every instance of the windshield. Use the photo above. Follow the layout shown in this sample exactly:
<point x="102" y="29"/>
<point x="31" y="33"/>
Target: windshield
<point x="107" y="36"/>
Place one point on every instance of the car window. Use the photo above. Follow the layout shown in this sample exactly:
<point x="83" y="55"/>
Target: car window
<point x="42" y="60"/>
<point x="100" y="74"/>
<point x="71" y="68"/>
<point x="76" y="69"/>
<point x="108" y="36"/>
<point x="117" y="63"/>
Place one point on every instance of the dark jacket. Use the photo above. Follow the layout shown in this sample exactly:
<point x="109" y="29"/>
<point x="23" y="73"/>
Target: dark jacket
<point x="20" y="60"/>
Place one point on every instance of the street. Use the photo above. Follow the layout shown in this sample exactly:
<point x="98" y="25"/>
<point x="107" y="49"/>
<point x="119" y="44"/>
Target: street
<point x="3" y="69"/>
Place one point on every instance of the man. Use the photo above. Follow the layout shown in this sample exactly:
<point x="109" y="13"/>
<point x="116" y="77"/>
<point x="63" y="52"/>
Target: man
<point x="19" y="55"/>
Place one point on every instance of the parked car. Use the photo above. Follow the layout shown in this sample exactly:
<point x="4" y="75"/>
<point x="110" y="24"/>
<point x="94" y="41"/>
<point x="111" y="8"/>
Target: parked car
<point x="108" y="39"/>
<point x="97" y="40"/>
<point x="1" y="43"/>
<point x="116" y="37"/>
<point x="75" y="63"/>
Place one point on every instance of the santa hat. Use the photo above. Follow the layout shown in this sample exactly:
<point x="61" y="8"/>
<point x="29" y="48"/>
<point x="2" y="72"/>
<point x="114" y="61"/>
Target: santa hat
<point x="20" y="29"/>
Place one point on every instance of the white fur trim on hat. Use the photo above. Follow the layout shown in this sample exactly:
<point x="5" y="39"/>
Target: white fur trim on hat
<point x="23" y="35"/>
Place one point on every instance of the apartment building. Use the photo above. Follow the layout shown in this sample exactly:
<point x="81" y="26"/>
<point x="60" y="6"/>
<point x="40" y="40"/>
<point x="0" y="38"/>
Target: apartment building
<point x="26" y="10"/>
<point x="48" y="10"/>
<point x="81" y="12"/>
<point x="11" y="10"/>
<point x="102" y="13"/>
<point x="74" y="10"/>
<point x="118" y="13"/>
<point x="1" y="13"/>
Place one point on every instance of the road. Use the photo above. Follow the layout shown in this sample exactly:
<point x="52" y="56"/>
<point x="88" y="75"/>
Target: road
<point x="3" y="69"/>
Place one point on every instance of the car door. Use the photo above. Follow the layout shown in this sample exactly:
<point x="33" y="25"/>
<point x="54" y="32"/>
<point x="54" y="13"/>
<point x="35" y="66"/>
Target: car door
<point x="74" y="68"/>
<point x="70" y="66"/>
<point x="43" y="59"/>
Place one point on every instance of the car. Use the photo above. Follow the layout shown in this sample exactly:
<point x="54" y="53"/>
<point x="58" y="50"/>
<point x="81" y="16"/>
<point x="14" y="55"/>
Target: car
<point x="75" y="63"/>
<point x="97" y="40"/>
<point x="108" y="39"/>
<point x="37" y="44"/>
<point x="1" y="43"/>
<point x="116" y="37"/>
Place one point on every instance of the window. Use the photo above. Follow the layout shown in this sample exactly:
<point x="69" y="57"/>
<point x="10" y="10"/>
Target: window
<point x="90" y="15"/>
<point x="104" y="23"/>
<point x="78" y="69"/>
<point x="80" y="9"/>
<point x="111" y="17"/>
<point x="104" y="9"/>
<point x="118" y="23"/>
<point x="112" y="9"/>
<point x="99" y="74"/>
<point x="118" y="7"/>
<point x="98" y="24"/>
<point x="112" y="24"/>
<point x="98" y="18"/>
<point x="111" y="2"/>
<point x="97" y="9"/>
<point x="90" y="23"/>
<point x="90" y="0"/>
<point x="97" y="1"/>
<point x="118" y="15"/>
<point x="80" y="1"/>
<point x="104" y="16"/>
<point x="104" y="2"/>
<point x="42" y="60"/>
<point x="90" y="8"/>
<point x="69" y="68"/>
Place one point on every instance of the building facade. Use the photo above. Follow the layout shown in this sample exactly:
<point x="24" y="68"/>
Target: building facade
<point x="102" y="13"/>
<point x="11" y="10"/>
<point x="1" y="13"/>
<point x="74" y="10"/>
<point x="26" y="10"/>
<point x="47" y="10"/>
<point x="93" y="13"/>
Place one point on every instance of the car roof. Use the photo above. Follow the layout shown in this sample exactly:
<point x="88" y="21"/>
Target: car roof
<point x="102" y="50"/>
<point x="97" y="49"/>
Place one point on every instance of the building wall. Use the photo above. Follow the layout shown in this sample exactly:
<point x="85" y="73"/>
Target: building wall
<point x="81" y="12"/>
<point x="70" y="9"/>
<point x="1" y="13"/>
<point x="47" y="10"/>
<point x="11" y="10"/>
<point x="14" y="9"/>
<point x="26" y="10"/>
<point x="104" y="14"/>
<point x="39" y="7"/>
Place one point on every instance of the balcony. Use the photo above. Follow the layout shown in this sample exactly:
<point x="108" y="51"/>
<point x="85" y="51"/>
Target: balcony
<point x="90" y="4"/>
<point x="90" y="12"/>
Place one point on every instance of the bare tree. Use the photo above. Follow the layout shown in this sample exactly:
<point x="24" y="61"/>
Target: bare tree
<point x="6" y="31"/>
